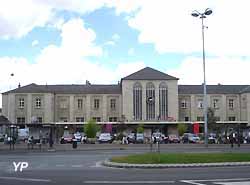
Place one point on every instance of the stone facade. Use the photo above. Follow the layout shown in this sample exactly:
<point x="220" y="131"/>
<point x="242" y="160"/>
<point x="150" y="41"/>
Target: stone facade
<point x="80" y="103"/>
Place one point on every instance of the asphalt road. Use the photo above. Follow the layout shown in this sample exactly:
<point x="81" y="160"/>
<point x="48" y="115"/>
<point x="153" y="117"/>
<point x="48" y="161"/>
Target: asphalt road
<point x="83" y="167"/>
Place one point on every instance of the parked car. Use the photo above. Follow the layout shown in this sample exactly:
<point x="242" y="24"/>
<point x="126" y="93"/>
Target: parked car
<point x="105" y="138"/>
<point x="157" y="137"/>
<point x="78" y="136"/>
<point x="172" y="138"/>
<point x="139" y="138"/>
<point x="190" y="138"/>
<point x="212" y="138"/>
<point x="66" y="139"/>
<point x="131" y="138"/>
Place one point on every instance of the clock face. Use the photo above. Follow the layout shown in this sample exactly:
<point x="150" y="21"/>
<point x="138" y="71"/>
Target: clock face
<point x="150" y="99"/>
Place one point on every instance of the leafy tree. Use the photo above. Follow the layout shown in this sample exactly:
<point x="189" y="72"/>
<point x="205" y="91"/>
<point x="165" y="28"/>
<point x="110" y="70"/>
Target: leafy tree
<point x="140" y="129"/>
<point x="91" y="128"/>
<point x="211" y="120"/>
<point x="182" y="128"/>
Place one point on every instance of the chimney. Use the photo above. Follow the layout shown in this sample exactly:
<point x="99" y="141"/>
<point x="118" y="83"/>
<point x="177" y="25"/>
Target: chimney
<point x="19" y="85"/>
<point x="87" y="82"/>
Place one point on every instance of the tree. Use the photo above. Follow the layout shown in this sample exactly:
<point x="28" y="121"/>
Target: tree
<point x="182" y="128"/>
<point x="91" y="128"/>
<point x="140" y="129"/>
<point x="211" y="120"/>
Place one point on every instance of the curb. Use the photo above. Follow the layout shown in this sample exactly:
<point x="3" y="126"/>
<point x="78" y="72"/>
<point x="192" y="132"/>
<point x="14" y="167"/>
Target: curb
<point x="108" y="163"/>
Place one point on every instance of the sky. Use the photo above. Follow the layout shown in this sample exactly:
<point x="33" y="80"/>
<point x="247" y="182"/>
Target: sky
<point x="71" y="41"/>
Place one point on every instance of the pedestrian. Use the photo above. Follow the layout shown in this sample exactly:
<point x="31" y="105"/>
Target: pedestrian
<point x="231" y="139"/>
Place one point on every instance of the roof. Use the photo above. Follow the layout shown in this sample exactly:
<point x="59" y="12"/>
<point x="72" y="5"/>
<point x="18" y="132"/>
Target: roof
<point x="149" y="74"/>
<point x="68" y="89"/>
<point x="4" y="120"/>
<point x="213" y="89"/>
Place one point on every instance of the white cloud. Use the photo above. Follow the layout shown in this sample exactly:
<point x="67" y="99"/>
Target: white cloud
<point x="110" y="43"/>
<point x="170" y="27"/>
<point x="115" y="37"/>
<point x="224" y="70"/>
<point x="64" y="64"/>
<point x="35" y="43"/>
<point x="18" y="18"/>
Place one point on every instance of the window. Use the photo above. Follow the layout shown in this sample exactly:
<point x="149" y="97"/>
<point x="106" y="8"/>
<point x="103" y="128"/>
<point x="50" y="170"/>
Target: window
<point x="150" y="101"/>
<point x="200" y="118"/>
<point x="21" y="103"/>
<point x="231" y="103"/>
<point x="20" y="120"/>
<point x="163" y="101"/>
<point x="112" y="104"/>
<point x="231" y="118"/>
<point x="64" y="119"/>
<point x="186" y="118"/>
<point x="79" y="103"/>
<point x="79" y="119"/>
<point x="200" y="104"/>
<point x="112" y="119"/>
<point x="38" y="103"/>
<point x="39" y="119"/>
<point x="96" y="103"/>
<point x="97" y="119"/>
<point x="217" y="118"/>
<point x="183" y="104"/>
<point x="137" y="101"/>
<point x="63" y="104"/>
<point x="215" y="103"/>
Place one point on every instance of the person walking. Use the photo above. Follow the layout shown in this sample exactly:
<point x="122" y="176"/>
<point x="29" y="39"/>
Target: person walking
<point x="231" y="139"/>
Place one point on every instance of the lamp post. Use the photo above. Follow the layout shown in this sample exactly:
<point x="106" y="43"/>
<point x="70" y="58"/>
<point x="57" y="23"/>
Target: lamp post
<point x="203" y="15"/>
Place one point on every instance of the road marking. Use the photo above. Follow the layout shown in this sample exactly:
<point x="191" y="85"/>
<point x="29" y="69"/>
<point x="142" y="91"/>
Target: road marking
<point x="26" y="179"/>
<point x="77" y="166"/>
<point x="128" y="182"/>
<point x="191" y="182"/>
<point x="233" y="183"/>
<point x="60" y="165"/>
<point x="219" y="181"/>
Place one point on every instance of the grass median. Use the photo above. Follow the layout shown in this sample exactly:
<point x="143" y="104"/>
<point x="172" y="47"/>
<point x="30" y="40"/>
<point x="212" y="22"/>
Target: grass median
<point x="182" y="158"/>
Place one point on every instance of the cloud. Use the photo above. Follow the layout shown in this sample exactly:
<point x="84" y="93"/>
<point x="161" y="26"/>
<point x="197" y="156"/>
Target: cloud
<point x="115" y="37"/>
<point x="171" y="28"/>
<point x="67" y="63"/>
<point x="18" y="18"/>
<point x="35" y="43"/>
<point x="110" y="43"/>
<point x="224" y="70"/>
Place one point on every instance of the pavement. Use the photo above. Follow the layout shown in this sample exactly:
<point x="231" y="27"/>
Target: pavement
<point x="147" y="147"/>
<point x="83" y="167"/>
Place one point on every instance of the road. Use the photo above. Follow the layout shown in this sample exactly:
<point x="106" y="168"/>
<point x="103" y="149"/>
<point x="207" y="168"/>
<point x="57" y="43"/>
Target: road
<point x="83" y="167"/>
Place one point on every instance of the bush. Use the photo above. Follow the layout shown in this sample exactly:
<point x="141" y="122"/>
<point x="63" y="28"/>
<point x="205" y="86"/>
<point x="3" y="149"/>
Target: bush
<point x="91" y="128"/>
<point x="140" y="128"/>
<point x="182" y="128"/>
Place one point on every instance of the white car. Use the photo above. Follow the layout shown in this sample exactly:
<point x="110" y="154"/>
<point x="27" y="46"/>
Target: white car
<point x="78" y="136"/>
<point x="105" y="138"/>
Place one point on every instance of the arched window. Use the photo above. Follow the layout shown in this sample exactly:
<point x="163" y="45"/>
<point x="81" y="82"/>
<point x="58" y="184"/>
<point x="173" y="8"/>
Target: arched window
<point x="163" y="101"/>
<point x="137" y="101"/>
<point x="150" y="101"/>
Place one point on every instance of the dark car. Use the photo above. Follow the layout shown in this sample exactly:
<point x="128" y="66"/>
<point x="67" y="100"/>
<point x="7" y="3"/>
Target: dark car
<point x="131" y="138"/>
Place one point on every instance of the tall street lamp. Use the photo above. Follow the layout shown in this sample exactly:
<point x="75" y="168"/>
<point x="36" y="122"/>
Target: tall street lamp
<point x="203" y="15"/>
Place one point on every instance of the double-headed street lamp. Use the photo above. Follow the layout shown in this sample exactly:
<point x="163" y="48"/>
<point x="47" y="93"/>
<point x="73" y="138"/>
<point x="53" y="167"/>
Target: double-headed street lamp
<point x="203" y="15"/>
